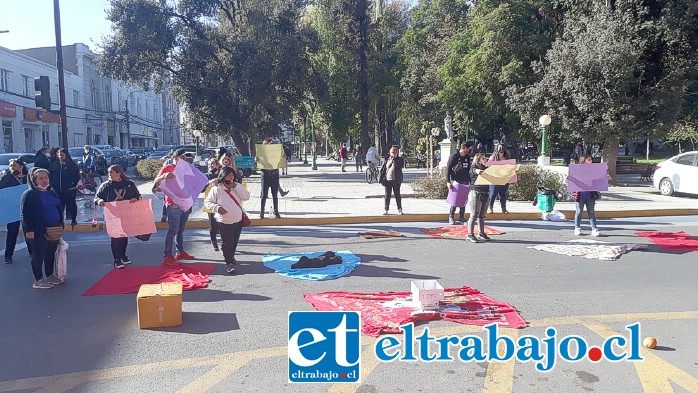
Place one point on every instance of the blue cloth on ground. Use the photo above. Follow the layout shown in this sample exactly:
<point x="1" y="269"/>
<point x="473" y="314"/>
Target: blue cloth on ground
<point x="282" y="265"/>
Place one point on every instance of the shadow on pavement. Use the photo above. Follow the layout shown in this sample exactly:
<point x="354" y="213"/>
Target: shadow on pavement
<point x="204" y="323"/>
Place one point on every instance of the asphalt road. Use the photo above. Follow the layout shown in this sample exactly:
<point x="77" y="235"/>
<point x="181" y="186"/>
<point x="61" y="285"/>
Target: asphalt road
<point x="234" y="334"/>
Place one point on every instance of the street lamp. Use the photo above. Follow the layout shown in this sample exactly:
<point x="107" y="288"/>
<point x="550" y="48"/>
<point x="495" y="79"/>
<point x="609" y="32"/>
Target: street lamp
<point x="313" y="103"/>
<point x="434" y="133"/>
<point x="197" y="137"/>
<point x="544" y="121"/>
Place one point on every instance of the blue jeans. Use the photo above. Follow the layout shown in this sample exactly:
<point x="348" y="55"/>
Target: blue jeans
<point x="176" y="222"/>
<point x="502" y="192"/>
<point x="590" y="204"/>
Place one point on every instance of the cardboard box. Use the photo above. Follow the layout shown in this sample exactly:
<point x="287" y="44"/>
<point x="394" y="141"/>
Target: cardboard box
<point x="427" y="294"/>
<point x="160" y="305"/>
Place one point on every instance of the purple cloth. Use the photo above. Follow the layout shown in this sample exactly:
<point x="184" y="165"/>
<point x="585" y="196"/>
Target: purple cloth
<point x="458" y="196"/>
<point x="186" y="186"/>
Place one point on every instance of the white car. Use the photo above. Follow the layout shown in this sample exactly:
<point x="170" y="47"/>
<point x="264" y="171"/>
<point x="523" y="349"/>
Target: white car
<point x="678" y="174"/>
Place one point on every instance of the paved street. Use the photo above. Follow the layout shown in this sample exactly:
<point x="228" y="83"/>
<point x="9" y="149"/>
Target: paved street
<point x="234" y="334"/>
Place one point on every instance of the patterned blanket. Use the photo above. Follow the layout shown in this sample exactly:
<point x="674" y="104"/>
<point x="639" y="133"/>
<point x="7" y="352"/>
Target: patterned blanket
<point x="456" y="231"/>
<point x="590" y="249"/>
<point x="380" y="234"/>
<point x="385" y="312"/>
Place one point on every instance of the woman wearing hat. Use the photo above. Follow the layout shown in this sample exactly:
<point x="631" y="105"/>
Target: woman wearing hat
<point x="42" y="223"/>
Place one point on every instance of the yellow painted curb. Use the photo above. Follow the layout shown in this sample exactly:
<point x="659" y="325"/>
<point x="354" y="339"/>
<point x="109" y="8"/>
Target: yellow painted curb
<point x="303" y="221"/>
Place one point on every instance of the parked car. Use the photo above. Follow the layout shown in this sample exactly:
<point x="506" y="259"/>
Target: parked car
<point x="100" y="168"/>
<point x="139" y="152"/>
<point x="160" y="152"/>
<point x="677" y="174"/>
<point x="204" y="153"/>
<point x="5" y="158"/>
<point x="114" y="156"/>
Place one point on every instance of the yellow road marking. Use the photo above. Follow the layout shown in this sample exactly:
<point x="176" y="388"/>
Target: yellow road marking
<point x="655" y="373"/>
<point x="368" y="364"/>
<point x="500" y="375"/>
<point x="226" y="364"/>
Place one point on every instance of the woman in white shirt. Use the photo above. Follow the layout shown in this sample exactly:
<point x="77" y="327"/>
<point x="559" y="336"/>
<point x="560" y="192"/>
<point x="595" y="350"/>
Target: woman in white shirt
<point x="225" y="199"/>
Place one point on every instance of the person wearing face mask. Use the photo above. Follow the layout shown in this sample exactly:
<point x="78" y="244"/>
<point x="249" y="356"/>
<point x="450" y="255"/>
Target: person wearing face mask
<point x="118" y="188"/>
<point x="43" y="160"/>
<point x="226" y="201"/>
<point x="477" y="200"/>
<point x="214" y="168"/>
<point x="42" y="223"/>
<point x="65" y="175"/>
<point x="391" y="178"/>
<point x="16" y="176"/>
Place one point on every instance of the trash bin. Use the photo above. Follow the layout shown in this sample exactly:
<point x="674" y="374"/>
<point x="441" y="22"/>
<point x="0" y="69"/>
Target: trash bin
<point x="545" y="199"/>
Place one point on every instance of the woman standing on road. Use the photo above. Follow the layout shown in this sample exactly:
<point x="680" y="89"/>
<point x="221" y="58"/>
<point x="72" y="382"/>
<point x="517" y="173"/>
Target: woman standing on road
<point x="226" y="201"/>
<point x="118" y="188"/>
<point x="477" y="200"/>
<point x="391" y="178"/>
<point x="588" y="199"/>
<point x="42" y="223"/>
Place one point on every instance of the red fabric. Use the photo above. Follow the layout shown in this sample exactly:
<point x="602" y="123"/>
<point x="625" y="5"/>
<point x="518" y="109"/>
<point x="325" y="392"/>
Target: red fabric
<point x="680" y="241"/>
<point x="457" y="231"/>
<point x="475" y="309"/>
<point x="130" y="279"/>
<point x="166" y="169"/>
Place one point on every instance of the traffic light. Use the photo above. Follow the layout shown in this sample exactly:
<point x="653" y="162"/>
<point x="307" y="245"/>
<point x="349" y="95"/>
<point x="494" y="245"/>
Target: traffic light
<point x="42" y="98"/>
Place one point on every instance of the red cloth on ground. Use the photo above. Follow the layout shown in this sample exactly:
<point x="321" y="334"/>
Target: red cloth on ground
<point x="677" y="241"/>
<point x="457" y="231"/>
<point x="467" y="306"/>
<point x="130" y="279"/>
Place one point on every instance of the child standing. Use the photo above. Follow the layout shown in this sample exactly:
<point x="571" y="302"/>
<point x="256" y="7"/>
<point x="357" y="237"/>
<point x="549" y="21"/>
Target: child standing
<point x="478" y="200"/>
<point x="588" y="199"/>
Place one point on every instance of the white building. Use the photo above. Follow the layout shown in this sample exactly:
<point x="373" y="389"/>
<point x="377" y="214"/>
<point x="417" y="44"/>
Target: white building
<point x="100" y="110"/>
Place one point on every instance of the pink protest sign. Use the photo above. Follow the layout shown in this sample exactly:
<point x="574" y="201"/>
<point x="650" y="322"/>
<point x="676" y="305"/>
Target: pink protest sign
<point x="458" y="195"/>
<point x="588" y="177"/>
<point x="514" y="178"/>
<point x="186" y="186"/>
<point x="124" y="219"/>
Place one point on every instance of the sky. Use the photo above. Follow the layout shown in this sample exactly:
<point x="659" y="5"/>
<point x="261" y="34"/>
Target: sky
<point x="30" y="23"/>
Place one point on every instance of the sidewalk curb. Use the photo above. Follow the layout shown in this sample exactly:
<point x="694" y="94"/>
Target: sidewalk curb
<point x="406" y="218"/>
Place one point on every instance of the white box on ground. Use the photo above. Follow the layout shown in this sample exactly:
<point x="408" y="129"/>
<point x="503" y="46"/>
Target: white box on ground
<point x="427" y="294"/>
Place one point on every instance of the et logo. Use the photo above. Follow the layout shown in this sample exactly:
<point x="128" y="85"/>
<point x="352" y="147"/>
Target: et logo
<point x="324" y="346"/>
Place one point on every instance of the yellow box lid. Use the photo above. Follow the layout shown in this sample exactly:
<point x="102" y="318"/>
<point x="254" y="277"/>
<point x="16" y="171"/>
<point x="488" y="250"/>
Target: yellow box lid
<point x="162" y="289"/>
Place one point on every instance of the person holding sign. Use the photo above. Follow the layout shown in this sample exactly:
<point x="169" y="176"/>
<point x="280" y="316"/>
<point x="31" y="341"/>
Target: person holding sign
<point x="477" y="200"/>
<point x="270" y="179"/>
<point x="176" y="217"/>
<point x="225" y="199"/>
<point x="118" y="188"/>
<point x="16" y="176"/>
<point x="588" y="199"/>
<point x="500" y="154"/>
<point x="458" y="172"/>
<point x="42" y="223"/>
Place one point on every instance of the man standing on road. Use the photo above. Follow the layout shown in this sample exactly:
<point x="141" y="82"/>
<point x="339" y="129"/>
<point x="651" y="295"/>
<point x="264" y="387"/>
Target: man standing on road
<point x="343" y="155"/>
<point x="176" y="217"/>
<point x="459" y="172"/>
<point x="287" y="153"/>
<point x="359" y="158"/>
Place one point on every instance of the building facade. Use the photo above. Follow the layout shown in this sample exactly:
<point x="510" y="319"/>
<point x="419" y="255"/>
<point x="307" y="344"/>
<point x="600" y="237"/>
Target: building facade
<point x="100" y="110"/>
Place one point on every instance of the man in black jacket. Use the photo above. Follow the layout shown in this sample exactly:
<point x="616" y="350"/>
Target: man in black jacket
<point x="458" y="168"/>
<point x="42" y="160"/>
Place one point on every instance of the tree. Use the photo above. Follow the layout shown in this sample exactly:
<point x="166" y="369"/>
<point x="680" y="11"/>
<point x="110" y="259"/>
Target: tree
<point x="238" y="66"/>
<point x="495" y="51"/>
<point x="618" y="70"/>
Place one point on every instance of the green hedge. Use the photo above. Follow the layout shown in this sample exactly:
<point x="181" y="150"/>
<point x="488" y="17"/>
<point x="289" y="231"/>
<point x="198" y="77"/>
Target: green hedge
<point x="530" y="178"/>
<point x="148" y="169"/>
<point x="431" y="186"/>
